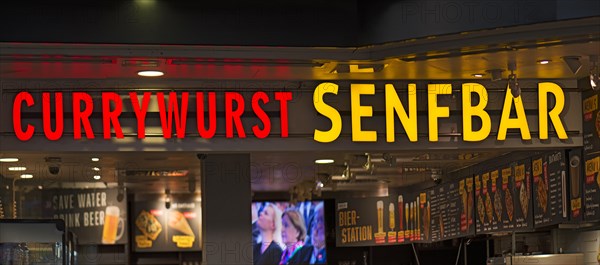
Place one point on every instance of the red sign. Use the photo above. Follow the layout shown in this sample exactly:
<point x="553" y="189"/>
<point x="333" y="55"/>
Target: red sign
<point x="173" y="114"/>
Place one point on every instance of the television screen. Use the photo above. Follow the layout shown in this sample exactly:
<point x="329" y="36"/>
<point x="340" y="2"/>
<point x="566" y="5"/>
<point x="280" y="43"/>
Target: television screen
<point x="286" y="233"/>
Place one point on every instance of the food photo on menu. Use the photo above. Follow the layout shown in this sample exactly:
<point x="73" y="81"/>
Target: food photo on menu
<point x="286" y="233"/>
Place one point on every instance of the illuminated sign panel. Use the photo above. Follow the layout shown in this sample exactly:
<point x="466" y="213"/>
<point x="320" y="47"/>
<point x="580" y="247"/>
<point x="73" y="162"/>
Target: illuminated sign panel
<point x="173" y="109"/>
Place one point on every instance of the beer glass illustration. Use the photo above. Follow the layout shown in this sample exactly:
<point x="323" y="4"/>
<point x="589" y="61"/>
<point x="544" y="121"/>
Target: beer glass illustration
<point x="407" y="215"/>
<point x="380" y="216"/>
<point x="392" y="216"/>
<point x="400" y="212"/>
<point x="574" y="173"/>
<point x="111" y="225"/>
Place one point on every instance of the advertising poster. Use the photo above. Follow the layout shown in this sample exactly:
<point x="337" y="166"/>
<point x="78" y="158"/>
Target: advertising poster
<point x="575" y="183"/>
<point x="363" y="222"/>
<point x="486" y="220"/>
<point x="94" y="215"/>
<point x="505" y="194"/>
<point x="523" y="212"/>
<point x="279" y="226"/>
<point x="161" y="229"/>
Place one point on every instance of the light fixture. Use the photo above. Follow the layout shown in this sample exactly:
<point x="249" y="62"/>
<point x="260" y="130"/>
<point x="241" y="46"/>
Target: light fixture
<point x="95" y="159"/>
<point x="496" y="74"/>
<point x="96" y="169"/>
<point x="477" y="75"/>
<point x="168" y="198"/>
<point x="544" y="61"/>
<point x="9" y="159"/>
<point x="26" y="176"/>
<point x="97" y="177"/>
<point x="594" y="72"/>
<point x="369" y="166"/>
<point x="320" y="184"/>
<point x="513" y="83"/>
<point x="150" y="73"/>
<point x="324" y="161"/>
<point x="17" y="168"/>
<point x="40" y="187"/>
<point x="573" y="63"/>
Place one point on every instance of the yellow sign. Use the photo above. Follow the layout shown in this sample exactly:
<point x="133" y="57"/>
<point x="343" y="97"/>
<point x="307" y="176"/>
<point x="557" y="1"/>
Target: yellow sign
<point x="505" y="175"/>
<point x="590" y="104"/>
<point x="520" y="173"/>
<point x="537" y="167"/>
<point x="143" y="242"/>
<point x="406" y="112"/>
<point x="592" y="166"/>
<point x="184" y="241"/>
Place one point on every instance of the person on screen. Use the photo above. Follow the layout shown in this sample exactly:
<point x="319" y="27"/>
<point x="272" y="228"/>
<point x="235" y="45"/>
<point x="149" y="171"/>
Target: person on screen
<point x="318" y="255"/>
<point x="293" y="235"/>
<point x="268" y="251"/>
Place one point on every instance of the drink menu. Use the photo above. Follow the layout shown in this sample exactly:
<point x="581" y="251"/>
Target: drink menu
<point x="452" y="210"/>
<point x="549" y="189"/>
<point x="591" y="198"/>
<point x="523" y="212"/>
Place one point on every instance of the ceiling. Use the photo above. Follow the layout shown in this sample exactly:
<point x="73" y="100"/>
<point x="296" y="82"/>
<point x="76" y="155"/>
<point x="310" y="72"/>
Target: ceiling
<point x="144" y="172"/>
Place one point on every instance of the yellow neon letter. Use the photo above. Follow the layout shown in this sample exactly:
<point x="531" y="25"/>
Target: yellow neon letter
<point x="358" y="111"/>
<point x="520" y="122"/>
<point x="469" y="111"/>
<point x="436" y="112"/>
<point x="327" y="111"/>
<point x="394" y="105"/>
<point x="544" y="89"/>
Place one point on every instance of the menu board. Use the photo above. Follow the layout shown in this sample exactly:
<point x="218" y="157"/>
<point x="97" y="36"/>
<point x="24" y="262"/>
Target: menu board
<point x="505" y="188"/>
<point x="591" y="198"/>
<point x="549" y="189"/>
<point x="451" y="210"/>
<point x="161" y="229"/>
<point x="362" y="222"/>
<point x="591" y="124"/>
<point x="591" y="154"/>
<point x="487" y="215"/>
<point x="401" y="218"/>
<point x="576" y="179"/>
<point x="414" y="217"/>
<point x="94" y="215"/>
<point x="523" y="212"/>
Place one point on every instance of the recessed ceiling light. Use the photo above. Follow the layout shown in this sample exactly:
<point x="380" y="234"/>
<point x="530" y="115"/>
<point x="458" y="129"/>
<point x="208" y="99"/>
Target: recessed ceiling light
<point x="26" y="176"/>
<point x="97" y="177"/>
<point x="150" y="73"/>
<point x="40" y="187"/>
<point x="324" y="161"/>
<point x="17" y="168"/>
<point x="95" y="159"/>
<point x="477" y="75"/>
<point x="96" y="168"/>
<point x="544" y="61"/>
<point x="9" y="159"/>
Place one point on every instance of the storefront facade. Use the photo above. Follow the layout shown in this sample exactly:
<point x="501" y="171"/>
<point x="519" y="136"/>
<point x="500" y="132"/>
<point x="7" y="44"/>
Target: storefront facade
<point x="245" y="103"/>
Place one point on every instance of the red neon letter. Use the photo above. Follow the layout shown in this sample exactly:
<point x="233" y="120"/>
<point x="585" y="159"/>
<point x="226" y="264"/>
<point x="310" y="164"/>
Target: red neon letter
<point x="58" y="105"/>
<point x="166" y="122"/>
<point x="212" y="115"/>
<point x="28" y="133"/>
<point x="260" y="113"/>
<point x="233" y="117"/>
<point x="82" y="117"/>
<point x="283" y="98"/>
<point x="108" y="116"/>
<point x="140" y="112"/>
